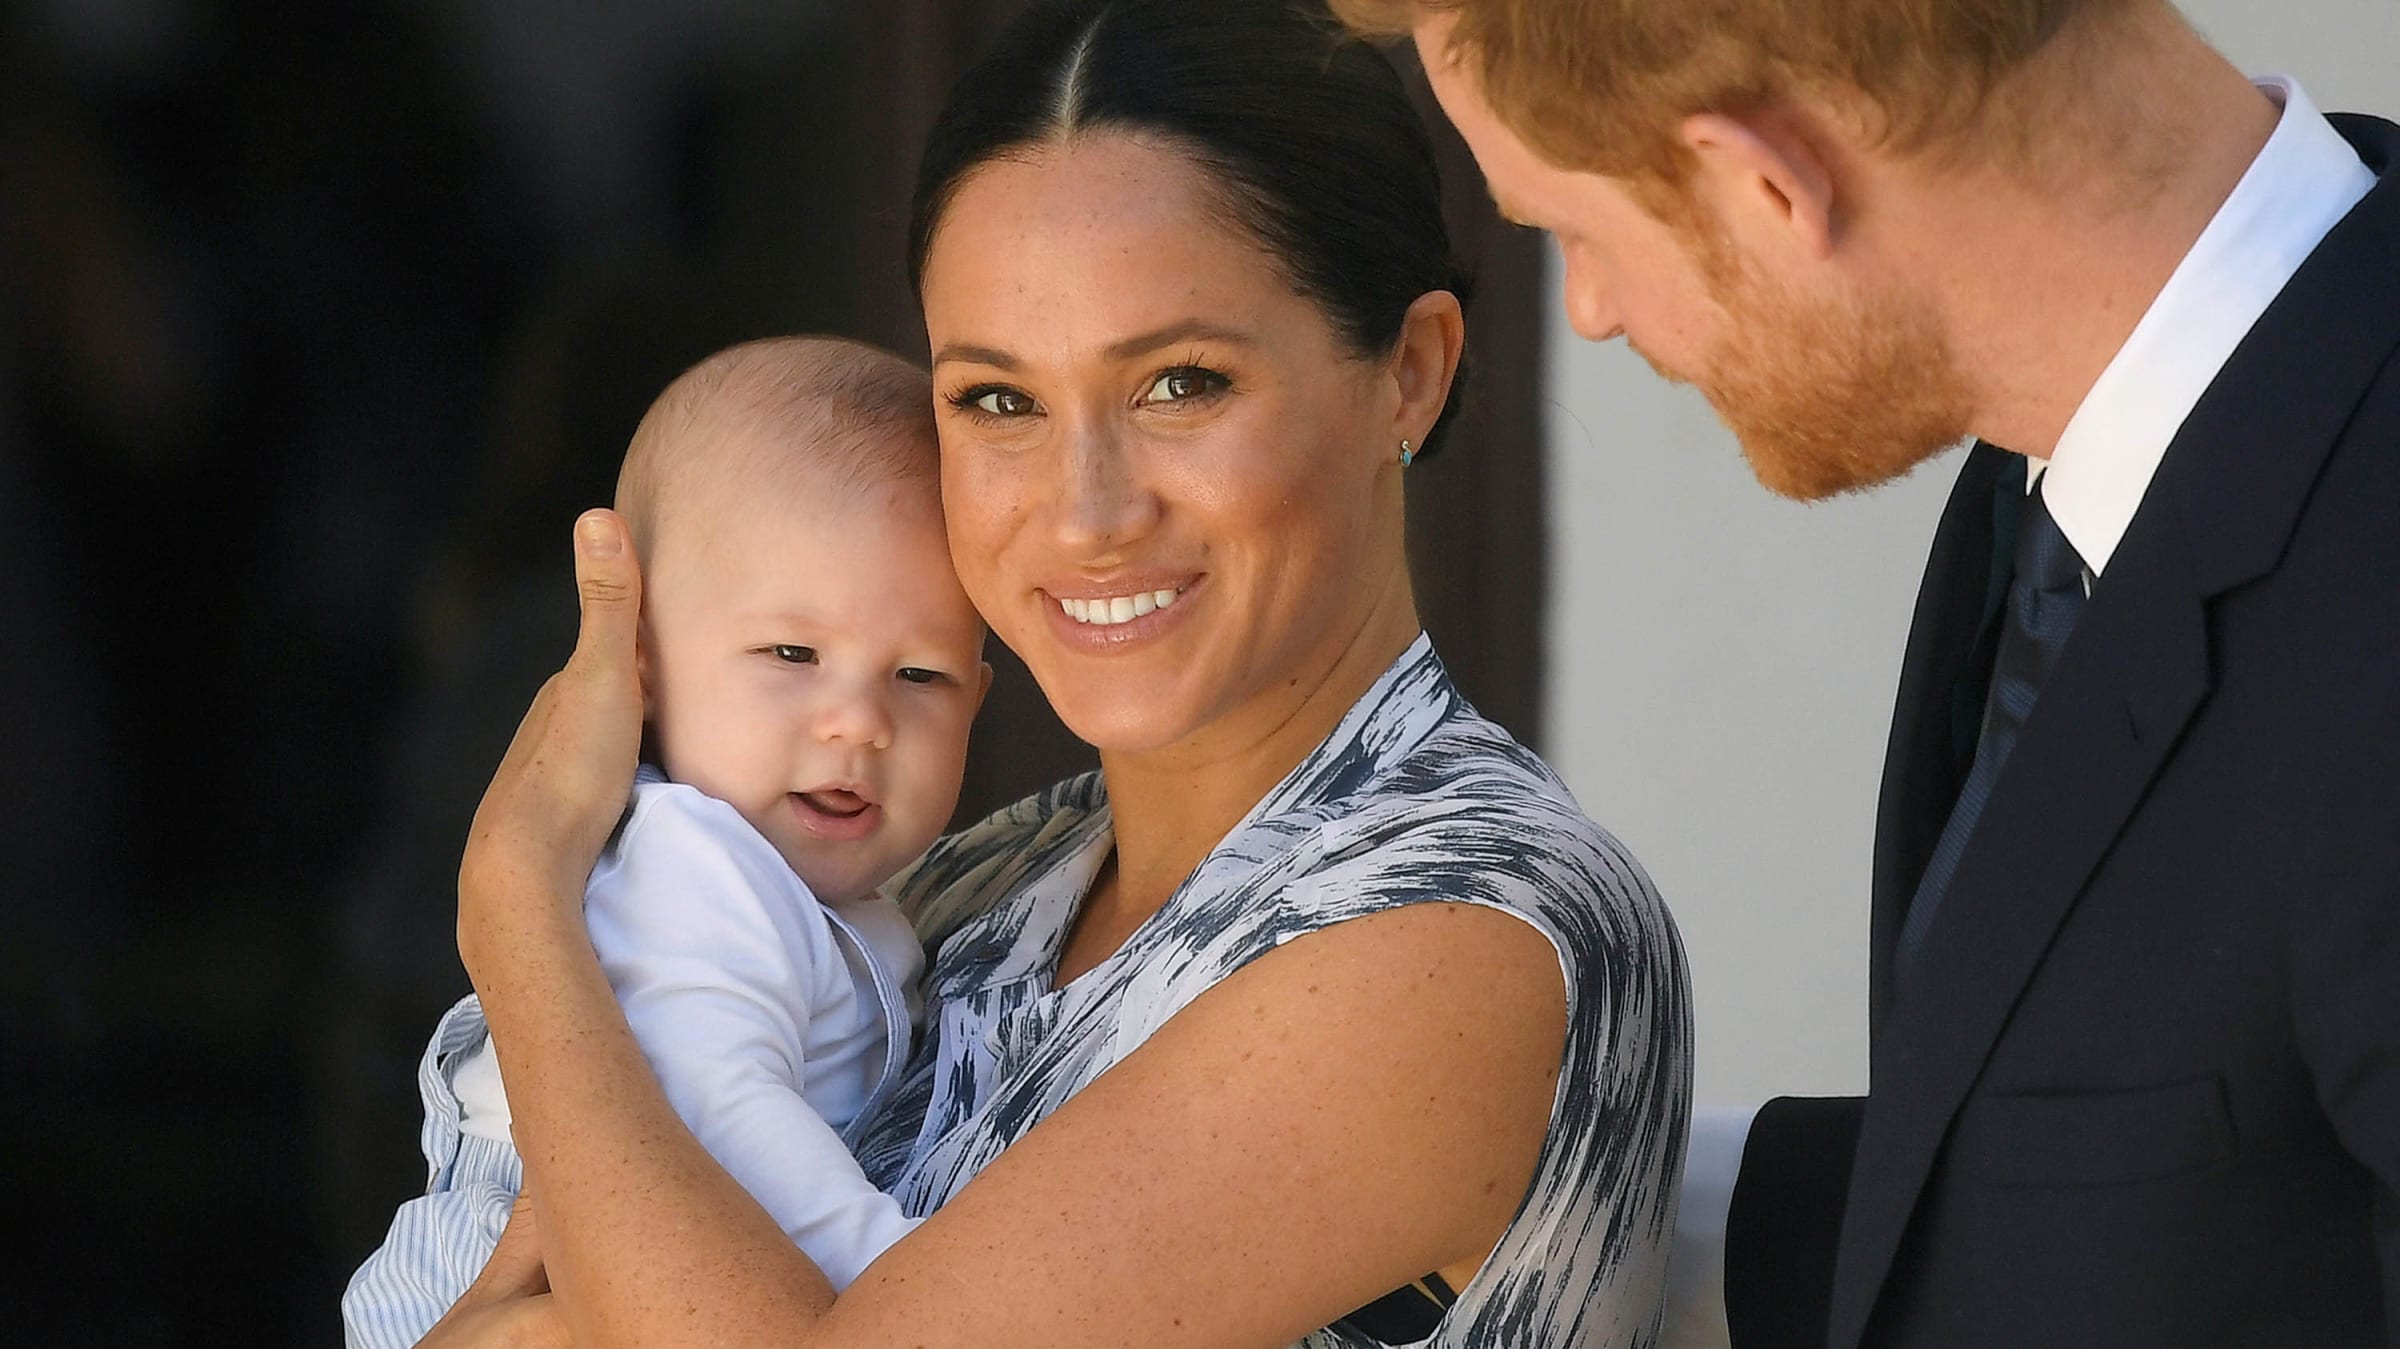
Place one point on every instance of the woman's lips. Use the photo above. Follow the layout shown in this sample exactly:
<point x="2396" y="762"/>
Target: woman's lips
<point x="836" y="813"/>
<point x="1115" y="616"/>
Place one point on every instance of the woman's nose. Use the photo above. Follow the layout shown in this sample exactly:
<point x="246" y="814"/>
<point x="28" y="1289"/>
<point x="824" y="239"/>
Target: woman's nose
<point x="1101" y="502"/>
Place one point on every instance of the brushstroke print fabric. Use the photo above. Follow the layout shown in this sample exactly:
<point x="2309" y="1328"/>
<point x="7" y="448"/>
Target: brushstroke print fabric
<point x="1415" y="798"/>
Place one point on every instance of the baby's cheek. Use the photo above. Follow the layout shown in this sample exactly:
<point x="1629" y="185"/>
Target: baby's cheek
<point x="923" y="795"/>
<point x="921" y="814"/>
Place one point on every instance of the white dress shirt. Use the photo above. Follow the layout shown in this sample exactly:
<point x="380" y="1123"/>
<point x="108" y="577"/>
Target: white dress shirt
<point x="2304" y="180"/>
<point x="2300" y="186"/>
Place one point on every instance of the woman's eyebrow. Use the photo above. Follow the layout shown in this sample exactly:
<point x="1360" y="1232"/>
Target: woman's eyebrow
<point x="1182" y="330"/>
<point x="1186" y="330"/>
<point x="974" y="355"/>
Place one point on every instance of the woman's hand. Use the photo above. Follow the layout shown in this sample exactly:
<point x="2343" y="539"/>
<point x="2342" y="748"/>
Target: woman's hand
<point x="509" y="1305"/>
<point x="569" y="771"/>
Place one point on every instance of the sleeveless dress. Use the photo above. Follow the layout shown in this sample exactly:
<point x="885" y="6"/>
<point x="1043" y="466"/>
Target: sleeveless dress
<point x="1415" y="798"/>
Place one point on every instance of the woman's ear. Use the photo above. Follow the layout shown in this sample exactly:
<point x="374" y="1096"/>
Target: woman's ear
<point x="1433" y="334"/>
<point x="1766" y="177"/>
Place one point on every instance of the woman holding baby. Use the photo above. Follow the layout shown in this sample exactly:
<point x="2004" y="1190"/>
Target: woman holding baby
<point x="1321" y="1013"/>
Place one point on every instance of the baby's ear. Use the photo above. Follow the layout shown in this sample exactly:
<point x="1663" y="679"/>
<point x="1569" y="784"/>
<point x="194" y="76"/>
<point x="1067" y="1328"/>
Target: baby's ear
<point x="642" y="670"/>
<point x="985" y="686"/>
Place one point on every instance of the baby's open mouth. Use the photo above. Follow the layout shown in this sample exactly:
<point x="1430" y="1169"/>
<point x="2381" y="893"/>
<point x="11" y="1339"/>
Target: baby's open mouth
<point x="840" y="803"/>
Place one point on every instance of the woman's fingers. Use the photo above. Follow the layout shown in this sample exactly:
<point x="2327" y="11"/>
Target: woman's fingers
<point x="568" y="772"/>
<point x="604" y="695"/>
<point x="600" y="704"/>
<point x="516" y="1269"/>
<point x="608" y="586"/>
<point x="509" y="1305"/>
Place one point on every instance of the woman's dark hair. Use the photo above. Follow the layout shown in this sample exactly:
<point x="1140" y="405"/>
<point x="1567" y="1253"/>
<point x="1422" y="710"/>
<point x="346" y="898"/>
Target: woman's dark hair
<point x="1321" y="155"/>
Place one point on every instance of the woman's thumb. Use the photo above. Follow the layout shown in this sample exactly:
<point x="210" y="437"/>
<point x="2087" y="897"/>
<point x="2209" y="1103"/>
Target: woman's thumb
<point x="608" y="586"/>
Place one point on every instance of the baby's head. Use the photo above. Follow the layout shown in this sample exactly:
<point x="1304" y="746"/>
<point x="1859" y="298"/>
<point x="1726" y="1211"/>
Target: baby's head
<point x="807" y="654"/>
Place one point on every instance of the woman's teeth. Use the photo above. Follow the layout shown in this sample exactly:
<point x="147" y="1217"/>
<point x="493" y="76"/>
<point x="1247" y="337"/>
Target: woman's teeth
<point x="1115" y="609"/>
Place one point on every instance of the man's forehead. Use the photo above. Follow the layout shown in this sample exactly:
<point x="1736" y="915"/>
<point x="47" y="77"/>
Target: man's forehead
<point x="1451" y="78"/>
<point x="1498" y="150"/>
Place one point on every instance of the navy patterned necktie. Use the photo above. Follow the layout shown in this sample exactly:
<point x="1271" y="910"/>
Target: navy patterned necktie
<point x="2048" y="592"/>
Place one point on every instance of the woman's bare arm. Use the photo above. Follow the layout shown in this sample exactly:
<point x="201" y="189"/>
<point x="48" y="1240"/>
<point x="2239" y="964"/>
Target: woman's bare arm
<point x="1357" y="1108"/>
<point x="1352" y="1111"/>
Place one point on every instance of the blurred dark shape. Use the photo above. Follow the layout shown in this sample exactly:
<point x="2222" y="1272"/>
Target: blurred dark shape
<point x="252" y="280"/>
<point x="495" y="616"/>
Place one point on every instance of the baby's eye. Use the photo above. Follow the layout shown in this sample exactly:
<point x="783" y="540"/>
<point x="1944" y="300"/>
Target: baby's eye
<point x="995" y="400"/>
<point x="1186" y="382"/>
<point x="916" y="675"/>
<point x="793" y="655"/>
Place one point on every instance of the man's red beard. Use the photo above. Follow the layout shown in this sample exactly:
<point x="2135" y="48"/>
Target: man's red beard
<point x="1825" y="400"/>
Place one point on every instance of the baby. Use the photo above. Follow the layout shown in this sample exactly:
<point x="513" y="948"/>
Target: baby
<point x="811" y="668"/>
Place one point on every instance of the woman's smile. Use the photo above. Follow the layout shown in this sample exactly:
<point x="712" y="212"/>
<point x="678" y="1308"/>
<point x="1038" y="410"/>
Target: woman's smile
<point x="1100" y="427"/>
<point x="1110" y="609"/>
<point x="1120" y="613"/>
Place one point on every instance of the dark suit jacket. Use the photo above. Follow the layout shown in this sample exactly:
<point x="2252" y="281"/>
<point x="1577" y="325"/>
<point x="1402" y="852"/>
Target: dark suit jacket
<point x="2141" y="1086"/>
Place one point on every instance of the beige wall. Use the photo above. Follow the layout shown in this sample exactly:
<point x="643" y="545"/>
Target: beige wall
<point x="1721" y="663"/>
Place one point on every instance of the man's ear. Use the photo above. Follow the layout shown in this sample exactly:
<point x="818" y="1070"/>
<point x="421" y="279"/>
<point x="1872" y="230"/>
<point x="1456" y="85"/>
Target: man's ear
<point x="1765" y="174"/>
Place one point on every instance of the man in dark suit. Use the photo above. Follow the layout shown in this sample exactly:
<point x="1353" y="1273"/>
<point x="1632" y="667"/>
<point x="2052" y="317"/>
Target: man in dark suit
<point x="2135" y="1006"/>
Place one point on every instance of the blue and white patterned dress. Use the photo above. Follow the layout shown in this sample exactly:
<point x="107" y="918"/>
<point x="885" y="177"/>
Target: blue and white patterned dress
<point x="1415" y="798"/>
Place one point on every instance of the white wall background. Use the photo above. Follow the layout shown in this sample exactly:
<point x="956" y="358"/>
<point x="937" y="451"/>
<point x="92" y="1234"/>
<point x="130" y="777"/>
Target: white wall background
<point x="1722" y="663"/>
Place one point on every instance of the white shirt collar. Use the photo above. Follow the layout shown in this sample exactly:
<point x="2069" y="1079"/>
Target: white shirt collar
<point x="2300" y="186"/>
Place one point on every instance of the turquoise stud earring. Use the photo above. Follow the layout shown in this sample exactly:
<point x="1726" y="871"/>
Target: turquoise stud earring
<point x="1408" y="454"/>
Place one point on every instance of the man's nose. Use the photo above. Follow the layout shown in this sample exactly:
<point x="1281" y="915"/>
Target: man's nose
<point x="1591" y="305"/>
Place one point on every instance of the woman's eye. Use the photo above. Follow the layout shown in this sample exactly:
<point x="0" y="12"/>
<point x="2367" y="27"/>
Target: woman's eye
<point x="914" y="675"/>
<point x="1186" y="382"/>
<point x="996" y="400"/>
<point x="794" y="655"/>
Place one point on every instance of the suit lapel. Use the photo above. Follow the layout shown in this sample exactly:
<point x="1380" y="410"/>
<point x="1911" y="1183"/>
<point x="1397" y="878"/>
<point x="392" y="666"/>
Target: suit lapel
<point x="2219" y="513"/>
<point x="2128" y="683"/>
<point x="1922" y="769"/>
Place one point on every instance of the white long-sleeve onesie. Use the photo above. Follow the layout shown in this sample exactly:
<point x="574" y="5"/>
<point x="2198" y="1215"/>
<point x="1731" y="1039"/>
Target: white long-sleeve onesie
<point x="774" y="1022"/>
